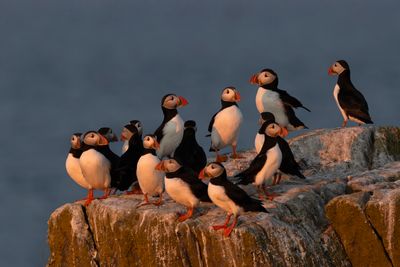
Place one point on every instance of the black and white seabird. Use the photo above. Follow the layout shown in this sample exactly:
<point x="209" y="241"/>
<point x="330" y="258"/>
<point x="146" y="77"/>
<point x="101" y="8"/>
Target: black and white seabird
<point x="271" y="99"/>
<point x="170" y="133"/>
<point x="139" y="126"/>
<point x="228" y="196"/>
<point x="225" y="124"/>
<point x="150" y="180"/>
<point x="183" y="186"/>
<point x="72" y="163"/>
<point x="108" y="133"/>
<point x="189" y="151"/>
<point x="349" y="100"/>
<point x="127" y="164"/>
<point x="267" y="162"/>
<point x="94" y="165"/>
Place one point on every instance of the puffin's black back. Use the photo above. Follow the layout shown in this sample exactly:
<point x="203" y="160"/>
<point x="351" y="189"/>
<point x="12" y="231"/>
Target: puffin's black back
<point x="237" y="194"/>
<point x="190" y="152"/>
<point x="288" y="164"/>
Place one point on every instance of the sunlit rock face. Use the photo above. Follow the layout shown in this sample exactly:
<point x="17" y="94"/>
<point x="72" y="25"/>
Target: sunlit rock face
<point x="352" y="176"/>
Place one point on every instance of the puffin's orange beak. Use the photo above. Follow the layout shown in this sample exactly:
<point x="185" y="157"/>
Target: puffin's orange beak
<point x="330" y="71"/>
<point x="103" y="141"/>
<point x="237" y="96"/>
<point x="160" y="166"/>
<point x="182" y="101"/>
<point x="202" y="174"/>
<point x="254" y="79"/>
<point x="122" y="137"/>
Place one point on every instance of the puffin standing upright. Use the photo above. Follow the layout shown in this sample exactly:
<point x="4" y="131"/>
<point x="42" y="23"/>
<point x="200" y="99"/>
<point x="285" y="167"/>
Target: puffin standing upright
<point x="349" y="100"/>
<point x="271" y="99"/>
<point x="228" y="196"/>
<point x="94" y="165"/>
<point x="268" y="160"/>
<point x="150" y="180"/>
<point x="72" y="163"/>
<point x="108" y="133"/>
<point x="225" y="124"/>
<point x="170" y="133"/>
<point x="183" y="186"/>
<point x="189" y="151"/>
<point x="127" y="164"/>
<point x="139" y="128"/>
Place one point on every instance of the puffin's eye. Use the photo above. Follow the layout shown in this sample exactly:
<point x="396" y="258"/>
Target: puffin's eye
<point x="335" y="65"/>
<point x="273" y="126"/>
<point x="212" y="166"/>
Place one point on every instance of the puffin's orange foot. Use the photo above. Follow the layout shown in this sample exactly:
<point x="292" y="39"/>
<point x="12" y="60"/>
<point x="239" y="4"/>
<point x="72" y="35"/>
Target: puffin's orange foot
<point x="221" y="158"/>
<point x="344" y="124"/>
<point x="134" y="191"/>
<point x="271" y="196"/>
<point x="236" y="156"/>
<point x="228" y="231"/>
<point x="88" y="201"/>
<point x="219" y="227"/>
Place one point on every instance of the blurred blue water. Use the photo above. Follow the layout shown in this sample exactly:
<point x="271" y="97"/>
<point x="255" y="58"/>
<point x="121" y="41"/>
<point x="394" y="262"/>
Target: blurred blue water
<point x="75" y="65"/>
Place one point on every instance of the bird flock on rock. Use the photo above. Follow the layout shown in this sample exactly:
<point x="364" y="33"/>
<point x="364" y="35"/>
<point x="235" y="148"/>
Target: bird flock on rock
<point x="171" y="160"/>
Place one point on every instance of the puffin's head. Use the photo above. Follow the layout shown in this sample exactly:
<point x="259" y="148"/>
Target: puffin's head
<point x="171" y="101"/>
<point x="338" y="67"/>
<point x="76" y="140"/>
<point x="108" y="133"/>
<point x="150" y="142"/>
<point x="168" y="165"/>
<point x="212" y="170"/>
<point x="93" y="138"/>
<point x="230" y="94"/>
<point x="138" y="125"/>
<point x="190" y="124"/>
<point x="128" y="131"/>
<point x="265" y="77"/>
<point x="269" y="125"/>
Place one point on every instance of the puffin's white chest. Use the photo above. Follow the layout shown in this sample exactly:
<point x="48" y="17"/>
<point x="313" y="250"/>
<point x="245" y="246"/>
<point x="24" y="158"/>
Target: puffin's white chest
<point x="218" y="197"/>
<point x="74" y="171"/>
<point x="226" y="127"/>
<point x="336" y="91"/>
<point x="269" y="101"/>
<point x="271" y="165"/>
<point x="258" y="142"/>
<point x="96" y="169"/>
<point x="180" y="192"/>
<point x="150" y="180"/>
<point x="172" y="136"/>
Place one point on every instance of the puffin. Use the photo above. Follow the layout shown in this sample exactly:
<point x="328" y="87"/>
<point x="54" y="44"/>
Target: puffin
<point x="268" y="160"/>
<point x="94" y="164"/>
<point x="127" y="164"/>
<point x="271" y="99"/>
<point x="289" y="165"/>
<point x="225" y="124"/>
<point x="183" y="186"/>
<point x="349" y="100"/>
<point x="108" y="133"/>
<point x="72" y="163"/>
<point x="170" y="133"/>
<point x="228" y="196"/>
<point x="150" y="180"/>
<point x="189" y="151"/>
<point x="139" y="127"/>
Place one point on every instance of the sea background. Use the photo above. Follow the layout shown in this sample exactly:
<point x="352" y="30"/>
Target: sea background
<point x="74" y="65"/>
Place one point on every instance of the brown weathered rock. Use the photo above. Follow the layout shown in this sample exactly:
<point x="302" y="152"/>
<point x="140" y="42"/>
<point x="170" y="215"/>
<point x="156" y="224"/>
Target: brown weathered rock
<point x="383" y="211"/>
<point x="360" y="241"/>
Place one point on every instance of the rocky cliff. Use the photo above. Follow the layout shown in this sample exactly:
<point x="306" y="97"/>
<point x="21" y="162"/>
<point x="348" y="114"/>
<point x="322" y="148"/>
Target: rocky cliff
<point x="346" y="213"/>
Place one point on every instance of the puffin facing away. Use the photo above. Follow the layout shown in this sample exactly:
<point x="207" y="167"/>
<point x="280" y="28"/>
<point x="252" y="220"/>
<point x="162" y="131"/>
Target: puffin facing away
<point x="183" y="186"/>
<point x="267" y="162"/>
<point x="139" y="127"/>
<point x="271" y="99"/>
<point x="225" y="124"/>
<point x="189" y="151"/>
<point x="228" y="196"/>
<point x="349" y="100"/>
<point x="170" y="133"/>
<point x="72" y="163"/>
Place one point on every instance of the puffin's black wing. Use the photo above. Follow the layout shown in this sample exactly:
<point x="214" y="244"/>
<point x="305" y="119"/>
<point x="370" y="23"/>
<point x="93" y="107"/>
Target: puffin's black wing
<point x="293" y="120"/>
<point x="288" y="164"/>
<point x="241" y="198"/>
<point x="191" y="153"/>
<point x="159" y="132"/>
<point x="247" y="176"/>
<point x="210" y="126"/>
<point x="290" y="100"/>
<point x="353" y="102"/>
<point x="198" y="188"/>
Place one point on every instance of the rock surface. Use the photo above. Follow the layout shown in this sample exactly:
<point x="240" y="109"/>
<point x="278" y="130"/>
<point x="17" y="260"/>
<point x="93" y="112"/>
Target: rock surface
<point x="352" y="174"/>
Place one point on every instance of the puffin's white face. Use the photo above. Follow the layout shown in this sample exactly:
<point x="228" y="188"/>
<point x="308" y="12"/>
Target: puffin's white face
<point x="336" y="69"/>
<point x="75" y="141"/>
<point x="273" y="130"/>
<point x="230" y="94"/>
<point x="212" y="170"/>
<point x="150" y="142"/>
<point x="168" y="165"/>
<point x="126" y="134"/>
<point x="95" y="139"/>
<point x="262" y="78"/>
<point x="173" y="101"/>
